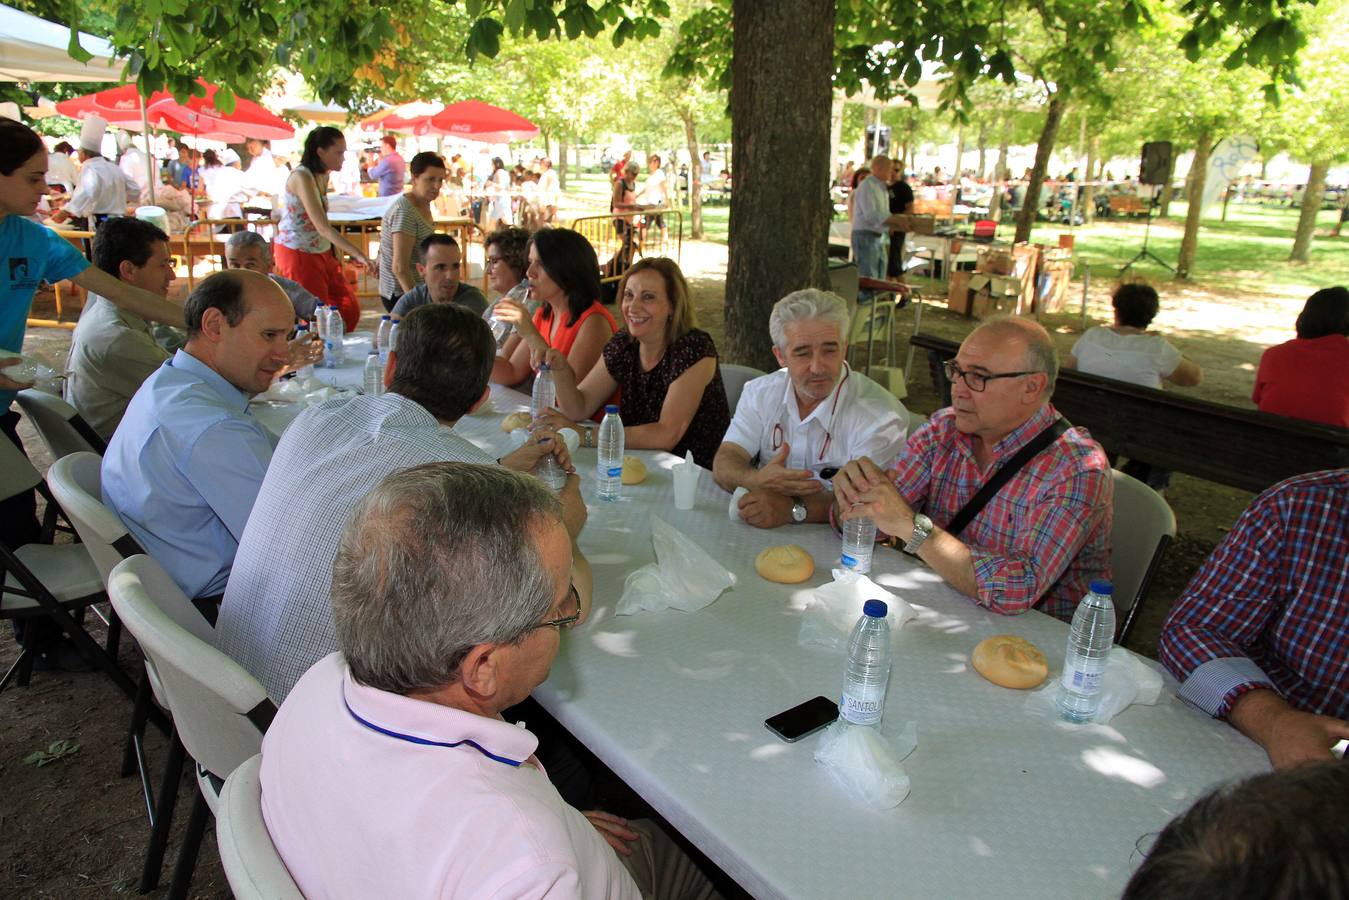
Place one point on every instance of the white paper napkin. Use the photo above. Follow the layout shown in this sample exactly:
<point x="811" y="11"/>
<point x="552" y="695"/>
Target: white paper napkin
<point x="866" y="762"/>
<point x="683" y="576"/>
<point x="835" y="607"/>
<point x="1128" y="680"/>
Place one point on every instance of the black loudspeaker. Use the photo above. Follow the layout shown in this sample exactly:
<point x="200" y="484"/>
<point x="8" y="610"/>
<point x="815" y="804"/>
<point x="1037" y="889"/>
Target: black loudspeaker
<point x="1156" y="163"/>
<point x="877" y="140"/>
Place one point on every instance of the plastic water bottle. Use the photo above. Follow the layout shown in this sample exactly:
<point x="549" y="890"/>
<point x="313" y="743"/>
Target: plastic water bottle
<point x="609" y="468"/>
<point x="382" y="337"/>
<point x="374" y="374"/>
<point x="318" y="321"/>
<point x="302" y="334"/>
<point x="337" y="333"/>
<point x="545" y="393"/>
<point x="1089" y="642"/>
<point x="393" y="337"/>
<point x="868" y="672"/>
<point x="500" y="330"/>
<point x="859" y="540"/>
<point x="331" y="360"/>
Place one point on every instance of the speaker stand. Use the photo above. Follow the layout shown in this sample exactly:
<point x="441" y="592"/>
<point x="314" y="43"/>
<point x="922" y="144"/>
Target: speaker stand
<point x="1145" y="253"/>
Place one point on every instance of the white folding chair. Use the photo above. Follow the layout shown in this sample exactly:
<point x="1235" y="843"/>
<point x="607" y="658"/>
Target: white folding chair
<point x="253" y="867"/>
<point x="220" y="712"/>
<point x="59" y="424"/>
<point x="1143" y="527"/>
<point x="51" y="580"/>
<point x="735" y="378"/>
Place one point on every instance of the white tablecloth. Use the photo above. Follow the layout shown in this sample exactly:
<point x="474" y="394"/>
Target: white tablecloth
<point x="1002" y="804"/>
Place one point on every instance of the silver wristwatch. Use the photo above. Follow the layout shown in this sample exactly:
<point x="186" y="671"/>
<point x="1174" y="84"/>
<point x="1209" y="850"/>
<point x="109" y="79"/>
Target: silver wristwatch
<point x="922" y="530"/>
<point x="798" y="510"/>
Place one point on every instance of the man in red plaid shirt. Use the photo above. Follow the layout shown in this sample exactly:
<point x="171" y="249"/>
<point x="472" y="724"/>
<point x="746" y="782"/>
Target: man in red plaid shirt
<point x="1046" y="534"/>
<point x="1261" y="635"/>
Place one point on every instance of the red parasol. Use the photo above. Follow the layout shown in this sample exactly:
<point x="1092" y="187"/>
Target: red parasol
<point x="468" y="119"/>
<point x="198" y="116"/>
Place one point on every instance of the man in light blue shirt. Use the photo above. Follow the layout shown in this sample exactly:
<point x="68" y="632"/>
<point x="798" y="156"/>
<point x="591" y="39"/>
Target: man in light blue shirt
<point x="185" y="464"/>
<point x="391" y="168"/>
<point x="871" y="219"/>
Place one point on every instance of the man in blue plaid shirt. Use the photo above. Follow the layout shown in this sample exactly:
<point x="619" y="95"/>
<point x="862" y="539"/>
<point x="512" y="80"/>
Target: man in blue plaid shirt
<point x="1261" y="634"/>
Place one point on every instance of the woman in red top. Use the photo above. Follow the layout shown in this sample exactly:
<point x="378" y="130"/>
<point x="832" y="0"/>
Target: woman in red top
<point x="1308" y="378"/>
<point x="564" y="275"/>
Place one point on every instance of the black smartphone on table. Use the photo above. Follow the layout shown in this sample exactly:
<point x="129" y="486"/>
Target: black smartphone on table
<point x="803" y="719"/>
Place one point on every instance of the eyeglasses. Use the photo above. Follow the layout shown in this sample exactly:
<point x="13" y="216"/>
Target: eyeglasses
<point x="491" y="261"/>
<point x="561" y="622"/>
<point x="977" y="381"/>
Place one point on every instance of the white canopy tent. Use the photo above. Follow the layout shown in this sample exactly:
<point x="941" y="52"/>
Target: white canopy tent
<point x="33" y="49"/>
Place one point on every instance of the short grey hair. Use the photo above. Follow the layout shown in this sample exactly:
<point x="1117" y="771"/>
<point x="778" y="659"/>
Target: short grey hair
<point x="242" y="240"/>
<point x="1040" y="353"/>
<point x="436" y="560"/>
<point x="810" y="303"/>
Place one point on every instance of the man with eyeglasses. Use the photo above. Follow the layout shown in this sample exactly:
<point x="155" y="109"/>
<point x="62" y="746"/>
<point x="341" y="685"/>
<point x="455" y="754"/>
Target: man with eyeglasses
<point x="276" y="619"/>
<point x="113" y="351"/>
<point x="391" y="770"/>
<point x="1045" y="534"/>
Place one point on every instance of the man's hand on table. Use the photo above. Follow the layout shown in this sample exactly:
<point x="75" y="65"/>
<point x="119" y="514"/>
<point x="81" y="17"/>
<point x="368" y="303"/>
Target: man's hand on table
<point x="766" y="509"/>
<point x="540" y="443"/>
<point x="614" y="829"/>
<point x="554" y="420"/>
<point x="776" y="477"/>
<point x="7" y="383"/>
<point x="862" y="489"/>
<point x="304" y="351"/>
<point x="1289" y="737"/>
<point x="574" y="511"/>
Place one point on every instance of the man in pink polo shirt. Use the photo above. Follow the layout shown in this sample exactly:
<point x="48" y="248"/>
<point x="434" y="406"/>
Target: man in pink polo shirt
<point x="388" y="771"/>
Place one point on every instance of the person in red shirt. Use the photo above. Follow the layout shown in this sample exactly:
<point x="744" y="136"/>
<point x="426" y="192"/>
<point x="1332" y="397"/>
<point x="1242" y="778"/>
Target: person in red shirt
<point x="1308" y="377"/>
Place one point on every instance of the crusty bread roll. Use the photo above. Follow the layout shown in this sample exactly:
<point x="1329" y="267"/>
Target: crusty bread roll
<point x="515" y="420"/>
<point x="1010" y="661"/>
<point x="788" y="564"/>
<point x="634" y="470"/>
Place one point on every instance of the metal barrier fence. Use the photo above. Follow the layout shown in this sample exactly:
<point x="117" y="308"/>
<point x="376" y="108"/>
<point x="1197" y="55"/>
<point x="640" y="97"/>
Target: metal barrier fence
<point x="621" y="238"/>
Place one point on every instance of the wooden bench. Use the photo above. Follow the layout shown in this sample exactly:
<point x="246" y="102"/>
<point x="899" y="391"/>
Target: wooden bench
<point x="1241" y="448"/>
<point x="1127" y="205"/>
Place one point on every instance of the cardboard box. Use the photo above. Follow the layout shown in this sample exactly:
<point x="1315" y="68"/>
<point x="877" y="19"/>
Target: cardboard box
<point x="916" y="224"/>
<point x="958" y="293"/>
<point x="992" y="295"/>
<point x="995" y="261"/>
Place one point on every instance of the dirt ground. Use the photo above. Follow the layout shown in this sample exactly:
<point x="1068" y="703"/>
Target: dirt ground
<point x="73" y="828"/>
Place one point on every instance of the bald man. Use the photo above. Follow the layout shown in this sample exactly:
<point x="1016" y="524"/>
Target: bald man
<point x="872" y="220"/>
<point x="185" y="464"/>
<point x="1045" y="534"/>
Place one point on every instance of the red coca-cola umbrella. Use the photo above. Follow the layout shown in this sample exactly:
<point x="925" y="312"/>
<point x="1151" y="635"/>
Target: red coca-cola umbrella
<point x="197" y="116"/>
<point x="469" y="119"/>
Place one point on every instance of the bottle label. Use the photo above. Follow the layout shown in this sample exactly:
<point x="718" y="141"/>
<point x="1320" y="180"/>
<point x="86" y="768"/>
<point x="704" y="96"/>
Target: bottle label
<point x="862" y="704"/>
<point x="849" y="562"/>
<point x="614" y="472"/>
<point x="1083" y="675"/>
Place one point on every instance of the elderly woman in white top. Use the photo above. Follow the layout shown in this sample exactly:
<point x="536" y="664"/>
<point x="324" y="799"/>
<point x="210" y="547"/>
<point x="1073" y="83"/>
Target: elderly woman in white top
<point x="1127" y="351"/>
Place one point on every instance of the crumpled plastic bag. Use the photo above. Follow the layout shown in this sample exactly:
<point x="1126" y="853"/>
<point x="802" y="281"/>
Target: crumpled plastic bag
<point x="1128" y="680"/>
<point x="835" y="607"/>
<point x="866" y="762"/>
<point x="683" y="576"/>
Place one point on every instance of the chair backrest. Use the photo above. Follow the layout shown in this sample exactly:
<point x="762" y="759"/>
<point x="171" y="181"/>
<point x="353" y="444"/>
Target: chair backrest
<point x="1143" y="527"/>
<point x="76" y="482"/>
<point x="735" y="378"/>
<point x="59" y="425"/>
<point x="253" y="867"/>
<point x="16" y="472"/>
<point x="219" y="710"/>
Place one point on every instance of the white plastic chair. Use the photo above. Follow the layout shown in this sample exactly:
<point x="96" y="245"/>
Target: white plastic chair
<point x="220" y="712"/>
<point x="1143" y="527"/>
<point x="735" y="378"/>
<point x="59" y="424"/>
<point x="253" y="867"/>
<point x="52" y="580"/>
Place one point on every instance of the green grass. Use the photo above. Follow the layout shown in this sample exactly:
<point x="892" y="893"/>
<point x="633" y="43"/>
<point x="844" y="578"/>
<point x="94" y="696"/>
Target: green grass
<point x="593" y="189"/>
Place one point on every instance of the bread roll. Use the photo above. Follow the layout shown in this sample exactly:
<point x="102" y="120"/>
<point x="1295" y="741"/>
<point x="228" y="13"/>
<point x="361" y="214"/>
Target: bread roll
<point x="515" y="420"/>
<point x="634" y="470"/>
<point x="788" y="564"/>
<point x="1010" y="661"/>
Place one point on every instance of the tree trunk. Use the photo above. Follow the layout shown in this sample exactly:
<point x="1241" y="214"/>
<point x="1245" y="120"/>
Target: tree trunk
<point x="1164" y="204"/>
<point x="1089" y="190"/>
<point x="983" y="150"/>
<point x="780" y="163"/>
<point x="695" y="175"/>
<point x="562" y="163"/>
<point x="547" y="144"/>
<point x="840" y="102"/>
<point x="1198" y="175"/>
<point x="1311" y="205"/>
<point x="960" y="154"/>
<point x="1025" y="220"/>
<point x="1000" y="173"/>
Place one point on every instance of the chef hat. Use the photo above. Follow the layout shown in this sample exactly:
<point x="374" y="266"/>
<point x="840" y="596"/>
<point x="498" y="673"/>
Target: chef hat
<point x="229" y="157"/>
<point x="123" y="141"/>
<point x="91" y="133"/>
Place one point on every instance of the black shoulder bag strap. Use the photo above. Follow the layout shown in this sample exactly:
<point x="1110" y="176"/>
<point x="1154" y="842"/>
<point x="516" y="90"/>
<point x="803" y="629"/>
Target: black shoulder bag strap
<point x="1004" y="474"/>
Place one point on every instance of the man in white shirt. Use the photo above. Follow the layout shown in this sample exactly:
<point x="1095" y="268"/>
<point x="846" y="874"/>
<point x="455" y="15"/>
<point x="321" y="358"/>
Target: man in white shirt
<point x="61" y="169"/>
<point x="794" y="428"/>
<point x="261" y="178"/>
<point x="390" y="771"/>
<point x="871" y="219"/>
<point x="549" y="191"/>
<point x="655" y="191"/>
<point x="134" y="165"/>
<point x="104" y="189"/>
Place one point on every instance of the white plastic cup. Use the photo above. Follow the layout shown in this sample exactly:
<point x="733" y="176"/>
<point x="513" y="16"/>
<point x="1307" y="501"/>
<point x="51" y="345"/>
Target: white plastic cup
<point x="685" y="484"/>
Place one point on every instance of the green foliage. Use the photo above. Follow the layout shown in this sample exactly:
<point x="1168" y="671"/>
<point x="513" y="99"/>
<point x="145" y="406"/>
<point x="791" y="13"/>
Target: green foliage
<point x="55" y="752"/>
